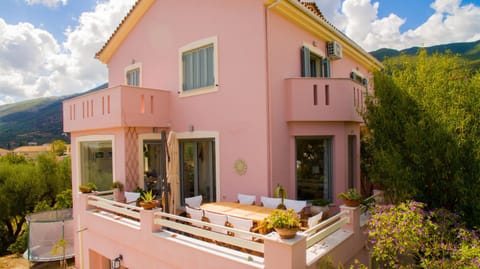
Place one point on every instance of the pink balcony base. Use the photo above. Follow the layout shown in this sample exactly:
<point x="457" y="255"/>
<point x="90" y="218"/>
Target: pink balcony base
<point x="324" y="99"/>
<point x="120" y="106"/>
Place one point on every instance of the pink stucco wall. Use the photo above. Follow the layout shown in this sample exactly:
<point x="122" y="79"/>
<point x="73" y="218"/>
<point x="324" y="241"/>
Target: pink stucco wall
<point x="237" y="110"/>
<point x="285" y="42"/>
<point x="249" y="111"/>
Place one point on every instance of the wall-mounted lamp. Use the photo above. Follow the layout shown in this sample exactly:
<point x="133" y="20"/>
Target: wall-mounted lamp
<point x="314" y="43"/>
<point x="191" y="128"/>
<point x="116" y="262"/>
<point x="133" y="61"/>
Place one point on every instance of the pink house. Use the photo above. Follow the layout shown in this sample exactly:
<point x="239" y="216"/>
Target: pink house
<point x="250" y="93"/>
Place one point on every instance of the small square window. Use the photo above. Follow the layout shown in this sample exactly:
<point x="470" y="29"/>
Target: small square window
<point x="133" y="77"/>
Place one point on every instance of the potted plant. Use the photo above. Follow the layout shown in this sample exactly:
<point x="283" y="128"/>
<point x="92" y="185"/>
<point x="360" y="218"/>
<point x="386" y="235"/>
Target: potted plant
<point x="351" y="197"/>
<point x="90" y="187"/>
<point x="118" y="192"/>
<point x="319" y="205"/>
<point x="148" y="200"/>
<point x="285" y="223"/>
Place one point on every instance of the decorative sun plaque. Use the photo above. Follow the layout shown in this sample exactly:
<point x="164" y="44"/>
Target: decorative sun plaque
<point x="240" y="167"/>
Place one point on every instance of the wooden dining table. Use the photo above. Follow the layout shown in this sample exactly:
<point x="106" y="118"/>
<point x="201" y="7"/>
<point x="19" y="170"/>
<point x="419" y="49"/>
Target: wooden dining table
<point x="253" y="212"/>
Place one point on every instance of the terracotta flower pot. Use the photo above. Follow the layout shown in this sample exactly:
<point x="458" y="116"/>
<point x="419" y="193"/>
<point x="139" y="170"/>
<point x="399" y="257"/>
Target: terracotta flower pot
<point x="351" y="203"/>
<point x="149" y="205"/>
<point x="286" y="233"/>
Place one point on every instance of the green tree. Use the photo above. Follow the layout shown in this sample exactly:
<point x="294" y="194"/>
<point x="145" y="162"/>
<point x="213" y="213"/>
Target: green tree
<point x="58" y="147"/>
<point x="424" y="132"/>
<point x="30" y="186"/>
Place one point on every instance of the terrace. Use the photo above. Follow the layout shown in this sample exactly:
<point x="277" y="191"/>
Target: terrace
<point x="146" y="237"/>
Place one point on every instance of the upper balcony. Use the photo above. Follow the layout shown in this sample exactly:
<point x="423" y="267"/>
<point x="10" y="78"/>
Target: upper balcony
<point x="324" y="99"/>
<point x="119" y="106"/>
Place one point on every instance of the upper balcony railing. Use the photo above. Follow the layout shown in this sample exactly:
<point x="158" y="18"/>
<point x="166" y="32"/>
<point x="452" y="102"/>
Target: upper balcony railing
<point x="324" y="99"/>
<point x="119" y="106"/>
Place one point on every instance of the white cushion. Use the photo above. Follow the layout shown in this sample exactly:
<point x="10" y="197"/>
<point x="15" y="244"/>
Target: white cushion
<point x="314" y="220"/>
<point x="296" y="205"/>
<point x="132" y="196"/>
<point x="270" y="202"/>
<point x="241" y="224"/>
<point x="246" y="199"/>
<point x="196" y="214"/>
<point x="217" y="219"/>
<point x="194" y="201"/>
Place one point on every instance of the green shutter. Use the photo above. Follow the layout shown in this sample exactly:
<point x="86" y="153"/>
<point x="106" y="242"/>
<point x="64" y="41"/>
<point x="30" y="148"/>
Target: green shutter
<point x="305" y="59"/>
<point x="326" y="67"/>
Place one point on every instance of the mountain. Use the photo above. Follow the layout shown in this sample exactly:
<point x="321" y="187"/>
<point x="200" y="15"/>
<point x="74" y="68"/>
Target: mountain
<point x="38" y="120"/>
<point x="468" y="50"/>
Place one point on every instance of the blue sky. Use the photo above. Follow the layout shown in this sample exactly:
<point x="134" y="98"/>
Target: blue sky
<point x="47" y="47"/>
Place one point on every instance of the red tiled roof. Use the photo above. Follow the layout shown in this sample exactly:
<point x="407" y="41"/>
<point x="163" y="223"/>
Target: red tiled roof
<point x="312" y="6"/>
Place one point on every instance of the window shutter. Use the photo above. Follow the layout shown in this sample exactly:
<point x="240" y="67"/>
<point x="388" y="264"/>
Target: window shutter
<point x="305" y="60"/>
<point x="326" y="67"/>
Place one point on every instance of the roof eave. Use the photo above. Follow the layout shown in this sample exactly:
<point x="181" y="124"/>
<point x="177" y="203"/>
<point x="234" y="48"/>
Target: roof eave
<point x="308" y="20"/>
<point x="123" y="29"/>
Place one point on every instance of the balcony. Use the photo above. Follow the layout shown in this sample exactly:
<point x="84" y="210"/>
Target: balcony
<point x="146" y="237"/>
<point x="324" y="99"/>
<point x="119" y="106"/>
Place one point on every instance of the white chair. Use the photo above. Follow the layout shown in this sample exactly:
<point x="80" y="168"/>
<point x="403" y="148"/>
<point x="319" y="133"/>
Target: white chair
<point x="196" y="214"/>
<point x="296" y="205"/>
<point x="131" y="197"/>
<point x="241" y="224"/>
<point x="314" y="220"/>
<point x="217" y="219"/>
<point x="246" y="199"/>
<point x="194" y="201"/>
<point x="270" y="202"/>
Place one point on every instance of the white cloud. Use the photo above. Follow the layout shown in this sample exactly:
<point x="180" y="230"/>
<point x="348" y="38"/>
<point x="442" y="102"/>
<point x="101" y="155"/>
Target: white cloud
<point x="451" y="22"/>
<point x="33" y="64"/>
<point x="48" y="3"/>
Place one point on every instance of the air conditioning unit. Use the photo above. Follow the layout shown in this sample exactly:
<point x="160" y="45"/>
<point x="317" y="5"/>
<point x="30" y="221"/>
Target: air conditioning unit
<point x="334" y="50"/>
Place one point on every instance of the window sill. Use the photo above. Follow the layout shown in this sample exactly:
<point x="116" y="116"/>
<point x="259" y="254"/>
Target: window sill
<point x="199" y="91"/>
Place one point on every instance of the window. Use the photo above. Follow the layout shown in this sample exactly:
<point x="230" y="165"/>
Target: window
<point x="198" y="68"/>
<point x="314" y="64"/>
<point x="197" y="169"/>
<point x="133" y="75"/>
<point x="314" y="168"/>
<point x="358" y="77"/>
<point x="96" y="163"/>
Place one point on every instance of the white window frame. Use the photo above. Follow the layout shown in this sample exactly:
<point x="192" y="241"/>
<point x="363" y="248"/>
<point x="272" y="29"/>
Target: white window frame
<point x="210" y="135"/>
<point x="191" y="46"/>
<point x="92" y="138"/>
<point x="133" y="67"/>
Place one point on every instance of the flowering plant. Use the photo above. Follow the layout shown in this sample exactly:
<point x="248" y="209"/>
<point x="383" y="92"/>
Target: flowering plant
<point x="283" y="219"/>
<point x="409" y="236"/>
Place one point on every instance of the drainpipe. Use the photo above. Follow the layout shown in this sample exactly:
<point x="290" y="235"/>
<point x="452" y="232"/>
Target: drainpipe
<point x="268" y="94"/>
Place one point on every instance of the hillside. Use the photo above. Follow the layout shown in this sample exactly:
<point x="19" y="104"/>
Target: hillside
<point x="468" y="50"/>
<point x="38" y="120"/>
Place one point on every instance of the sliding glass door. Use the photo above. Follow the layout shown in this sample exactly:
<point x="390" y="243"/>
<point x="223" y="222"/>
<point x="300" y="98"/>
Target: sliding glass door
<point x="197" y="169"/>
<point x="314" y="168"/>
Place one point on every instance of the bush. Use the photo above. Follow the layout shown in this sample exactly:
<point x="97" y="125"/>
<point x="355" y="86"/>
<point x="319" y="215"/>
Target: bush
<point x="409" y="236"/>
